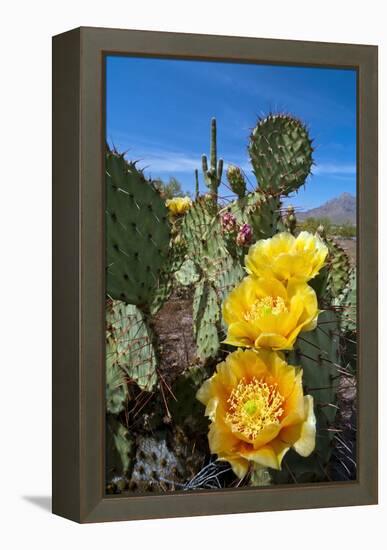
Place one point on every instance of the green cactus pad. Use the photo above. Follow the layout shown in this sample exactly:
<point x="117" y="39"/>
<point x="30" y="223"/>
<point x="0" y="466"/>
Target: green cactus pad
<point x="202" y="234"/>
<point x="116" y="388"/>
<point x="120" y="452"/>
<point x="237" y="181"/>
<point x="206" y="318"/>
<point x="290" y="220"/>
<point x="319" y="284"/>
<point x="164" y="286"/>
<point x="186" y="410"/>
<point x="224" y="275"/>
<point x="281" y="153"/>
<point x="137" y="232"/>
<point x="260" y="210"/>
<point x="317" y="353"/>
<point x="155" y="463"/>
<point x="164" y="461"/>
<point x="339" y="270"/>
<point x="348" y="305"/>
<point x="132" y="348"/>
<point x="259" y="477"/>
<point x="187" y="274"/>
<point x="228" y="274"/>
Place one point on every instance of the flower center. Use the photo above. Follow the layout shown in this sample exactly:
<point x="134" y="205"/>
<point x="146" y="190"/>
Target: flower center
<point x="252" y="406"/>
<point x="269" y="305"/>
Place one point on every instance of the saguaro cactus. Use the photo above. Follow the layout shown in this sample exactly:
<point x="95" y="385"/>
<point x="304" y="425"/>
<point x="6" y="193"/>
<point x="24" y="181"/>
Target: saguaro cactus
<point x="196" y="183"/>
<point x="213" y="174"/>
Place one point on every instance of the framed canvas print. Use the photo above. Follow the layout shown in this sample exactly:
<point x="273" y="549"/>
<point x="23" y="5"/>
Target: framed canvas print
<point x="215" y="274"/>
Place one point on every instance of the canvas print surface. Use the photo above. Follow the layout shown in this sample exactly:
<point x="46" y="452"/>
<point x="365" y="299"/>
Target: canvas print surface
<point x="230" y="275"/>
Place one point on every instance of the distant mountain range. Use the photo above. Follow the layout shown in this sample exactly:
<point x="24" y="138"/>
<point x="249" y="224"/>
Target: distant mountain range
<point x="339" y="210"/>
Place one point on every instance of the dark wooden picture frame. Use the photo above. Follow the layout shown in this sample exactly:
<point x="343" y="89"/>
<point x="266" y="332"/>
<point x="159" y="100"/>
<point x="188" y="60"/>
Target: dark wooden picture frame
<point x="79" y="280"/>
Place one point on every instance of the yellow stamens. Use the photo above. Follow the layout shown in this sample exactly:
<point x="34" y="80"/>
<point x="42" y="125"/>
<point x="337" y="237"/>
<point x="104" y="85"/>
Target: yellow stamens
<point x="268" y="305"/>
<point x="253" y="406"/>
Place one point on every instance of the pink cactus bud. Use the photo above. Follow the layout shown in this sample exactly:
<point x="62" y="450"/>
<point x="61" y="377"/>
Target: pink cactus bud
<point x="245" y="235"/>
<point x="228" y="221"/>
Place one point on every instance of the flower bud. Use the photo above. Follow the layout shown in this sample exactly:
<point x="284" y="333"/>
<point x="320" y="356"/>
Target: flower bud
<point x="236" y="180"/>
<point x="245" y="235"/>
<point x="228" y="222"/>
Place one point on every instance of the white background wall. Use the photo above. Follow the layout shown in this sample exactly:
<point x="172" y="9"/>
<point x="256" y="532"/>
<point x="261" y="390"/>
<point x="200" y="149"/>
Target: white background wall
<point x="25" y="378"/>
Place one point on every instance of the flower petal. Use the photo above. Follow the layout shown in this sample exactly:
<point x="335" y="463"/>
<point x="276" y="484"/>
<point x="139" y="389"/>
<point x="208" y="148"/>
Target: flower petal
<point x="295" y="427"/>
<point x="247" y="364"/>
<point x="270" y="287"/>
<point x="265" y="456"/>
<point x="220" y="438"/>
<point x="211" y="408"/>
<point x="268" y="433"/>
<point x="238" y="464"/>
<point x="241" y="334"/>
<point x="305" y="445"/>
<point x="284" y="257"/>
<point x="269" y="456"/>
<point x="271" y="341"/>
<point x="204" y="393"/>
<point x="239" y="301"/>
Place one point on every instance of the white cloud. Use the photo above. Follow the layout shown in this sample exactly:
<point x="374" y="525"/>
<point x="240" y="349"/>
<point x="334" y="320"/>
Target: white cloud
<point x="157" y="160"/>
<point x="332" y="168"/>
<point x="167" y="161"/>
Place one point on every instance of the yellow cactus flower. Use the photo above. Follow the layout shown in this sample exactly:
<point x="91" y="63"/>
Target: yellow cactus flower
<point x="264" y="313"/>
<point x="285" y="256"/>
<point x="178" y="205"/>
<point x="258" y="411"/>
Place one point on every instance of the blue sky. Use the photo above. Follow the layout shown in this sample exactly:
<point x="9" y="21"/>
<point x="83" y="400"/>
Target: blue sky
<point x="160" y="110"/>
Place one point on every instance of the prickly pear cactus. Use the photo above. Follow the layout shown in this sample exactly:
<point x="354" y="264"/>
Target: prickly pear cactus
<point x="206" y="319"/>
<point x="260" y="477"/>
<point x="131" y="347"/>
<point x="281" y="153"/>
<point x="348" y="304"/>
<point x="163" y="461"/>
<point x="116" y="385"/>
<point x="188" y="274"/>
<point x="318" y="354"/>
<point x="260" y="211"/>
<point x="185" y="409"/>
<point x="339" y="270"/>
<point x="220" y="278"/>
<point x="137" y="232"/>
<point x="155" y="464"/>
<point x="227" y="275"/>
<point x="191" y="263"/>
<point x="202" y="234"/>
<point x="164" y="286"/>
<point x="120" y="452"/>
